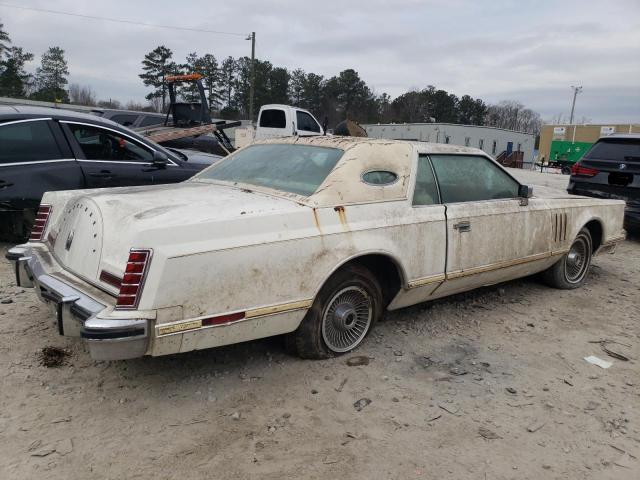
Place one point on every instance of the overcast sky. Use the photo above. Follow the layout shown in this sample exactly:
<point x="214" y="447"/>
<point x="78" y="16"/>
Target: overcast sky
<point x="493" y="49"/>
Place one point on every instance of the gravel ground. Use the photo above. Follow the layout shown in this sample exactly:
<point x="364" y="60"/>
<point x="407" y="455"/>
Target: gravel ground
<point x="487" y="385"/>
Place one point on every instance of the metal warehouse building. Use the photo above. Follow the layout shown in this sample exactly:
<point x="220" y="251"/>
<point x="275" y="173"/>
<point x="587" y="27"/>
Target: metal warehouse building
<point x="496" y="142"/>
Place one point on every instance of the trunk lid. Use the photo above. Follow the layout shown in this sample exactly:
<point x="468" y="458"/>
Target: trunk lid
<point x="97" y="229"/>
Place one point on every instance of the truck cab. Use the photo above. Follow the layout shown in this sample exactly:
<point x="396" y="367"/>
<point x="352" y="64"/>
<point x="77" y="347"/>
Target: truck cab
<point x="277" y="120"/>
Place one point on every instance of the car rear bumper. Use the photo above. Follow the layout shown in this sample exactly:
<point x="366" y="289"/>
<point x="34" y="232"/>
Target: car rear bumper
<point x="76" y="312"/>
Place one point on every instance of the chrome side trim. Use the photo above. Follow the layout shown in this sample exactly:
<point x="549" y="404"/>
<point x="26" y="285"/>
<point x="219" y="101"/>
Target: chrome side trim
<point x="118" y="162"/>
<point x="24" y="120"/>
<point x="193" y="324"/>
<point x="504" y="264"/>
<point x="419" y="282"/>
<point x="11" y="164"/>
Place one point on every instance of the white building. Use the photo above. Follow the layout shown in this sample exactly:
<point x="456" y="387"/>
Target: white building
<point x="492" y="140"/>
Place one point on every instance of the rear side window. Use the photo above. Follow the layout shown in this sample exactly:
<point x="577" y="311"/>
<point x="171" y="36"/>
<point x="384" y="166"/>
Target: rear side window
<point x="273" y="119"/>
<point x="470" y="178"/>
<point x="27" y="142"/>
<point x="146" y="121"/>
<point x="306" y="122"/>
<point x="379" y="177"/>
<point x="124" y="119"/>
<point x="619" y="150"/>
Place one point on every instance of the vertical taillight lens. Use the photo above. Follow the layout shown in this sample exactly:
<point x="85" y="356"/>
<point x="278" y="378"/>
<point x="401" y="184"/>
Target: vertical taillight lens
<point x="133" y="279"/>
<point x="40" y="225"/>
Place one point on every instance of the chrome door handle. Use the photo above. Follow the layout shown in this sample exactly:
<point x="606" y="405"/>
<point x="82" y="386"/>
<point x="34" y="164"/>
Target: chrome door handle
<point x="462" y="226"/>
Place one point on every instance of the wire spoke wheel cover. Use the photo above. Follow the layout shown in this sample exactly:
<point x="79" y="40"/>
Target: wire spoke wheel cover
<point x="347" y="319"/>
<point x="577" y="261"/>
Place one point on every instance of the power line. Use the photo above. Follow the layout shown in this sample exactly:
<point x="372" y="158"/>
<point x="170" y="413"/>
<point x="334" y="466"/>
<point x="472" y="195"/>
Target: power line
<point x="121" y="20"/>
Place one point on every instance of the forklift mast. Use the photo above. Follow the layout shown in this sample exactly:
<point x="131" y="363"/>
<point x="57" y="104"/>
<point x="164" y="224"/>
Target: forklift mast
<point x="187" y="114"/>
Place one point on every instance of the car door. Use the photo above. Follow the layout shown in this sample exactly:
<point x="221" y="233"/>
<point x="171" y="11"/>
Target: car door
<point x="34" y="158"/>
<point x="490" y="230"/>
<point x="110" y="158"/>
<point x="306" y="125"/>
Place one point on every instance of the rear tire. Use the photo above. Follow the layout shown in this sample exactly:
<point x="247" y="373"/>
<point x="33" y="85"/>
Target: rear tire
<point x="571" y="270"/>
<point x="565" y="170"/>
<point x="342" y="315"/>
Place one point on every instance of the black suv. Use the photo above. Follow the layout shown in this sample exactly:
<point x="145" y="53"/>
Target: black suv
<point x="45" y="149"/>
<point x="611" y="169"/>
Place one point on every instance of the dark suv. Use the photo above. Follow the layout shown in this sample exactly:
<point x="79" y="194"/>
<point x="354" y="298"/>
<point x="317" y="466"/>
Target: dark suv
<point x="611" y="169"/>
<point x="44" y="149"/>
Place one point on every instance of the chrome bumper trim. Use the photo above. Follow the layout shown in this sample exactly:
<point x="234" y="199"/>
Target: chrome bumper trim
<point x="76" y="312"/>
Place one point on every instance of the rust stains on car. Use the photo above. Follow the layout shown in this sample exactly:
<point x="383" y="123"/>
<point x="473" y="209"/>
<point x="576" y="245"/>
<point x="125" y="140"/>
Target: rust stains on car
<point x="342" y="214"/>
<point x="316" y="220"/>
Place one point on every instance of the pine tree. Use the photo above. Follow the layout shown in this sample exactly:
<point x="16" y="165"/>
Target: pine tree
<point x="207" y="66"/>
<point x="228" y="72"/>
<point x="4" y="40"/>
<point x="51" y="77"/>
<point x="14" y="80"/>
<point x="157" y="66"/>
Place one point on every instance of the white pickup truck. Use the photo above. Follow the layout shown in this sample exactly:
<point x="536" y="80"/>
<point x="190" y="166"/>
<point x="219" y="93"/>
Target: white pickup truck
<point x="279" y="121"/>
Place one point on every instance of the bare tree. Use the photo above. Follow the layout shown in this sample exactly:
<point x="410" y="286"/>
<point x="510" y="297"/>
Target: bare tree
<point x="82" y="95"/>
<point x="114" y="104"/>
<point x="155" y="104"/>
<point x="513" y="115"/>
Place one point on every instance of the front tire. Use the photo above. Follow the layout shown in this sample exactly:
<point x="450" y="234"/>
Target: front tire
<point x="571" y="270"/>
<point x="342" y="315"/>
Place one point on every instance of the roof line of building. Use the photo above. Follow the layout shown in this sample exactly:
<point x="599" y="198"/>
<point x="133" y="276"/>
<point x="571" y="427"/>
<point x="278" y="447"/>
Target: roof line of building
<point x="443" y="123"/>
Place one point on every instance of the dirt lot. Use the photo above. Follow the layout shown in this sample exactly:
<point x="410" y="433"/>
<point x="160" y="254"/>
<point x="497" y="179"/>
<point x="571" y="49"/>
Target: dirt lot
<point x="486" y="385"/>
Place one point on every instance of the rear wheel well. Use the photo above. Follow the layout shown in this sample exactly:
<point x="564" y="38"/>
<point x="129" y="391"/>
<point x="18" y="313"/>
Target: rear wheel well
<point x="595" y="229"/>
<point x="385" y="270"/>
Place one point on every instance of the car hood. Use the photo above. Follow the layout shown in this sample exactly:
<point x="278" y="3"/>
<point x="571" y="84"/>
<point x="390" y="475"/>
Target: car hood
<point x="99" y="227"/>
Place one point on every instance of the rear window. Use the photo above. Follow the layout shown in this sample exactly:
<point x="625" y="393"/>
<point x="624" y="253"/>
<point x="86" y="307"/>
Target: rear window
<point x="273" y="119"/>
<point x="619" y="150"/>
<point x="27" y="142"/>
<point x="299" y="169"/>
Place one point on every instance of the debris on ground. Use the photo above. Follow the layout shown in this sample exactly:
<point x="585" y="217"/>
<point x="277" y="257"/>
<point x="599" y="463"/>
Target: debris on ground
<point x="488" y="434"/>
<point x="598" y="361"/>
<point x="358" y="361"/>
<point x="360" y="404"/>
<point x="341" y="386"/>
<point x="52" y="357"/>
<point x="453" y="409"/>
<point x="534" y="427"/>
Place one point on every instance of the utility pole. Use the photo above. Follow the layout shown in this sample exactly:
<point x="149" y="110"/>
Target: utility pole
<point x="252" y="84"/>
<point x="576" y="91"/>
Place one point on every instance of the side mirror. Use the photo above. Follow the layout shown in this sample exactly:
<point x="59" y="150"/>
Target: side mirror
<point x="160" y="159"/>
<point x="525" y="191"/>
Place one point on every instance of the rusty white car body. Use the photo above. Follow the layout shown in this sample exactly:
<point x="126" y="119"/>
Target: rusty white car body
<point x="218" y="260"/>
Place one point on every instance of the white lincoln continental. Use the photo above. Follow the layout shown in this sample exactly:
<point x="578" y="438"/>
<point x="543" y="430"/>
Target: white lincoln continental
<point x="311" y="238"/>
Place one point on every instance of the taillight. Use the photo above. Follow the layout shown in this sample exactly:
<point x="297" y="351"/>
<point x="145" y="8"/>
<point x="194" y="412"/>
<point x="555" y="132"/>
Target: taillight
<point x="40" y="225"/>
<point x="133" y="279"/>
<point x="581" y="171"/>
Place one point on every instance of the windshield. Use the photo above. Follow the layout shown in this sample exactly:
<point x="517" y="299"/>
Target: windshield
<point x="620" y="150"/>
<point x="290" y="168"/>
